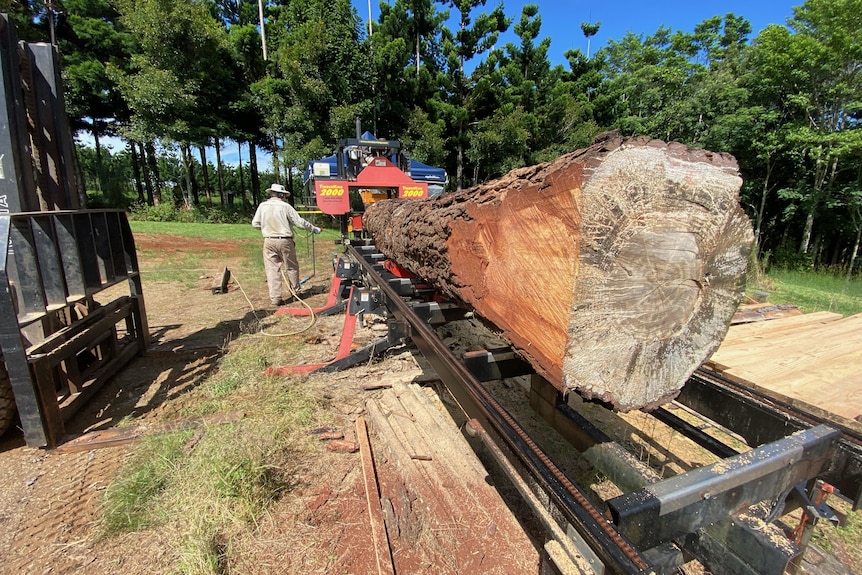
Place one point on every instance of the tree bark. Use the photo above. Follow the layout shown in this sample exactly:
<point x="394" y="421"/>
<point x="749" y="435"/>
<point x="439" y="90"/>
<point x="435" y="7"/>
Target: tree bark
<point x="614" y="270"/>
<point x="153" y="169"/>
<point x="220" y="173"/>
<point x="186" y="155"/>
<point x="148" y="177"/>
<point x="241" y="179"/>
<point x="206" y="173"/>
<point x="193" y="179"/>
<point x="136" y="170"/>
<point x="253" y="174"/>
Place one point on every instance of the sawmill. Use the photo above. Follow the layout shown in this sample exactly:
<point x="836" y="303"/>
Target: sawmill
<point x="609" y="279"/>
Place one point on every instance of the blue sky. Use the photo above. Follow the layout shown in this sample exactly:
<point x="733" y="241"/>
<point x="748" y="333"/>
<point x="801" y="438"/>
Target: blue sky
<point x="561" y="19"/>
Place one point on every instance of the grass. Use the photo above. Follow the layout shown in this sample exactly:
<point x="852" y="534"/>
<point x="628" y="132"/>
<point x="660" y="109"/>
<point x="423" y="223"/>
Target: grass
<point x="183" y="265"/>
<point x="812" y="291"/>
<point x="207" y="486"/>
<point x="847" y="535"/>
<point x="129" y="498"/>
<point x="200" y="231"/>
<point x="211" y="484"/>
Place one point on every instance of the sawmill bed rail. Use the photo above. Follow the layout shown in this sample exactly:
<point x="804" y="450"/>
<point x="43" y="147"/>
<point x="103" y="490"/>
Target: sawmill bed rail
<point x="657" y="524"/>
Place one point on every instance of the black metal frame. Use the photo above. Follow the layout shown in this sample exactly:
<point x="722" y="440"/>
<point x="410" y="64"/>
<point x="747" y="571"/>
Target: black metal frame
<point x="761" y="419"/>
<point x="59" y="344"/>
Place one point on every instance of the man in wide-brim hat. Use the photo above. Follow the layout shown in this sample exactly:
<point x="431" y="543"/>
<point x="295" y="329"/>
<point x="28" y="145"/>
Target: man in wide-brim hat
<point x="276" y="218"/>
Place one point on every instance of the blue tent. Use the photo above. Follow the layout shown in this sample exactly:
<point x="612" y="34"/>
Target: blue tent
<point x="418" y="171"/>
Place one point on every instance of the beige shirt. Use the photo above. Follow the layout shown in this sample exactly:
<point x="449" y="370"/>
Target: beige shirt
<point x="275" y="218"/>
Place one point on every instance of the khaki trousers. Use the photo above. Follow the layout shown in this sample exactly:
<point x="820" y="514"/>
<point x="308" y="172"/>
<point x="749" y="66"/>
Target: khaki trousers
<point x="278" y="252"/>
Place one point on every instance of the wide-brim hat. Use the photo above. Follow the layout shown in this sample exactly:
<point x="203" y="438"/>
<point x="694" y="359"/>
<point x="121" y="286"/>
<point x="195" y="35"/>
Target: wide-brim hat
<point x="278" y="189"/>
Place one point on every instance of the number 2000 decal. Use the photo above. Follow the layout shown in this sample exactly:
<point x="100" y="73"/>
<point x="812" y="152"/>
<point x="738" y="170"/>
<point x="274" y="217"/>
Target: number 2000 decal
<point x="331" y="191"/>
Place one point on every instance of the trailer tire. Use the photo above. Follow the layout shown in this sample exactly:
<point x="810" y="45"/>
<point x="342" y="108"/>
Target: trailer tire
<point x="7" y="400"/>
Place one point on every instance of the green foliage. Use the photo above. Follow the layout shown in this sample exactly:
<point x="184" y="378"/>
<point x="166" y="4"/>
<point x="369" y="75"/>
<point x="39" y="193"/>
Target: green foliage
<point x="91" y="38"/>
<point x="196" y="230"/>
<point x="170" y="212"/>
<point x="792" y="260"/>
<point x="205" y="484"/>
<point x="168" y="72"/>
<point x="317" y="85"/>
<point x="425" y="138"/>
<point x="807" y="72"/>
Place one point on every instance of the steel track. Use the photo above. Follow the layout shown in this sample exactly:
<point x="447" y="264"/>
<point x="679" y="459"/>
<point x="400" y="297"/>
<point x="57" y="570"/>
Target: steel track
<point x="618" y="554"/>
<point x="612" y="547"/>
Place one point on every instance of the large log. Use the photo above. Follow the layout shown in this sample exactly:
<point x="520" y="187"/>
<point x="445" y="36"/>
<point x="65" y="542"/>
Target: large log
<point x="614" y="270"/>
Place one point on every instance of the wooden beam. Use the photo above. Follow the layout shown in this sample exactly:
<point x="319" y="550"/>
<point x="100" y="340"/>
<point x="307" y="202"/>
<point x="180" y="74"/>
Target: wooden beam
<point x="372" y="494"/>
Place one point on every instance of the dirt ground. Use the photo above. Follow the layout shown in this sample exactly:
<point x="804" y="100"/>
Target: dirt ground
<point x="50" y="503"/>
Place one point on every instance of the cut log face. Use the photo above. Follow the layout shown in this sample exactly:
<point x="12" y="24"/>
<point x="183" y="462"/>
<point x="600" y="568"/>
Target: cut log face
<point x="614" y="270"/>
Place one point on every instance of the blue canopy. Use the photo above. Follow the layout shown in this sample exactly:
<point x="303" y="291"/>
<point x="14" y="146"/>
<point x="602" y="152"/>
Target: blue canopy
<point x="418" y="171"/>
<point x="425" y="173"/>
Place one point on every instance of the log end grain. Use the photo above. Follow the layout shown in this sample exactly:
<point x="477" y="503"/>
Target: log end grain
<point x="663" y="254"/>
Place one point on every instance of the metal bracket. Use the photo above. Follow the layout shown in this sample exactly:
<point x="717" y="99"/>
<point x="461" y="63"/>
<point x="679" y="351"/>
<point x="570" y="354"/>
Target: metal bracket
<point x="488" y="365"/>
<point x="680" y="505"/>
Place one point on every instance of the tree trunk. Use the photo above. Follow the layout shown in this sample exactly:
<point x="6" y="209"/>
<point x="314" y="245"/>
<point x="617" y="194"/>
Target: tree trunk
<point x="136" y="170"/>
<point x="153" y="167"/>
<point x="99" y="166"/>
<point x="459" y="167"/>
<point x="253" y="174"/>
<point x="185" y="155"/>
<point x="762" y="209"/>
<point x="196" y="192"/>
<point x="855" y="251"/>
<point x="275" y="161"/>
<point x="291" y="199"/>
<point x="614" y="270"/>
<point x="148" y="177"/>
<point x="806" y="232"/>
<point x="241" y="179"/>
<point x="220" y="173"/>
<point x="206" y="173"/>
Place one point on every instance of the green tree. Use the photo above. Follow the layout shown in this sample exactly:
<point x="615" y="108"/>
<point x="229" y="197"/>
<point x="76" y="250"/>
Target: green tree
<point x="91" y="38"/>
<point x="470" y="40"/>
<point x="809" y="73"/>
<point x="676" y="85"/>
<point x="406" y="54"/>
<point x="30" y="18"/>
<point x="319" y="81"/>
<point x="184" y="78"/>
<point x="589" y="31"/>
<point x="514" y="99"/>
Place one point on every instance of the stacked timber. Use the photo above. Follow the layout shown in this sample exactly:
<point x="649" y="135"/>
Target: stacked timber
<point x="614" y="270"/>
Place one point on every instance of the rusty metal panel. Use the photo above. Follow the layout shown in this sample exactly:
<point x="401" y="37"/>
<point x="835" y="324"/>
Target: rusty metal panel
<point x="53" y="149"/>
<point x="17" y="186"/>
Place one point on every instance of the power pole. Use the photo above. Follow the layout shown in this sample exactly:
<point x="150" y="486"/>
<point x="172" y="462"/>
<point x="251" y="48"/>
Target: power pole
<point x="262" y="29"/>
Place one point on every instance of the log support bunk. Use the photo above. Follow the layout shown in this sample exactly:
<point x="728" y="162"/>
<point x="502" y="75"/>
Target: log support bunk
<point x="714" y="513"/>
